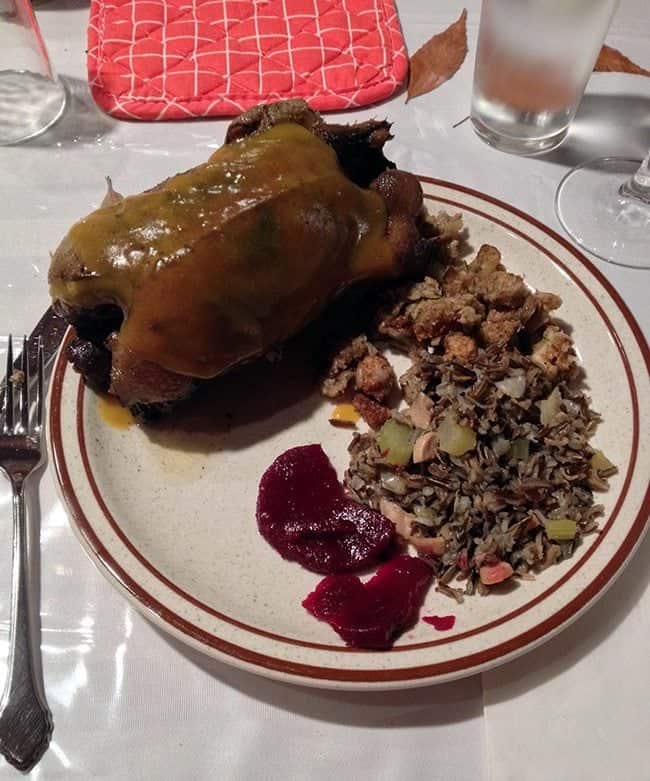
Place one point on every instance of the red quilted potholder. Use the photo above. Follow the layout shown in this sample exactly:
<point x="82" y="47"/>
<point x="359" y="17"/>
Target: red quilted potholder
<point x="173" y="59"/>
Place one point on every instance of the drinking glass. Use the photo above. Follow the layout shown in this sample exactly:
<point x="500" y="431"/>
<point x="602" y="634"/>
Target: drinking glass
<point x="604" y="205"/>
<point x="533" y="60"/>
<point x="32" y="97"/>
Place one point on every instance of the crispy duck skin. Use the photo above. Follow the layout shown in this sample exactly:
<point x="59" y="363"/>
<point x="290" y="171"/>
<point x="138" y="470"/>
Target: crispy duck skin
<point x="216" y="265"/>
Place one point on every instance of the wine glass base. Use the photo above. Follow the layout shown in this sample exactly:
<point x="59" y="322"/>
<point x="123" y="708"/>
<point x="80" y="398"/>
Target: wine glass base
<point x="613" y="226"/>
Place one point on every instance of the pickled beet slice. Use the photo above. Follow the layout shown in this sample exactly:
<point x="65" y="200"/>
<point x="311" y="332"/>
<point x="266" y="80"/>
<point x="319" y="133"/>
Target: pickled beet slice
<point x="373" y="614"/>
<point x="304" y="514"/>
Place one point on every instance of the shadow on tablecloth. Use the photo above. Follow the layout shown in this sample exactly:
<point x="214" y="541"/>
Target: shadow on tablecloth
<point x="430" y="706"/>
<point x="82" y="121"/>
<point x="59" y="5"/>
<point x="605" y="126"/>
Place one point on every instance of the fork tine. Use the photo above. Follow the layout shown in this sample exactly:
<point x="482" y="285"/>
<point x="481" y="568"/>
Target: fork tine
<point x="39" y="386"/>
<point x="24" y="388"/>
<point x="8" y="422"/>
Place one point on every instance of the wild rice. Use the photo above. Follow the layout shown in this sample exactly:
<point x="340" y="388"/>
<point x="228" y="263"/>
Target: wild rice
<point x="491" y="504"/>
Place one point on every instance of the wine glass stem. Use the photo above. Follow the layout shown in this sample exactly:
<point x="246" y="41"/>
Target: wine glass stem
<point x="639" y="185"/>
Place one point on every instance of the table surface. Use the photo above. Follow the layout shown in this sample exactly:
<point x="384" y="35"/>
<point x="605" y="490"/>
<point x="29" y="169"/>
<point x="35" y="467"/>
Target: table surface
<point x="131" y="703"/>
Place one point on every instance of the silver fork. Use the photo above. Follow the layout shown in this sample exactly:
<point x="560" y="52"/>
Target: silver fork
<point x="25" y="719"/>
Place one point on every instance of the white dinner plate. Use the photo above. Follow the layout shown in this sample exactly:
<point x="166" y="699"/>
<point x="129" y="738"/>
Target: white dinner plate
<point x="169" y="517"/>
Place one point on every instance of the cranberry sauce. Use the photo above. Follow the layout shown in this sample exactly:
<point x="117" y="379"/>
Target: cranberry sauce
<point x="441" y="623"/>
<point x="303" y="513"/>
<point x="372" y="614"/>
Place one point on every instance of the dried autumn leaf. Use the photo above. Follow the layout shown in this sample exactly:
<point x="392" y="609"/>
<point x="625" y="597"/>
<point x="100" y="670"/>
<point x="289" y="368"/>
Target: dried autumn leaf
<point x="438" y="59"/>
<point x="612" y="60"/>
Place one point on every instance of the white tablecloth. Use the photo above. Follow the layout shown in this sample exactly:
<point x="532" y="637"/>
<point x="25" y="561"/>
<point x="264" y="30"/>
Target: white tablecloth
<point x="130" y="703"/>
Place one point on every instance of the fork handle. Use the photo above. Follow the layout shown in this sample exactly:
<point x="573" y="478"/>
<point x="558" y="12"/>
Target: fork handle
<point x="25" y="719"/>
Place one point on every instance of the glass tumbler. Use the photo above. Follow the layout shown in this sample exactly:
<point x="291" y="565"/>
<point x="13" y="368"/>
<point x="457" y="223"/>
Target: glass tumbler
<point x="32" y="97"/>
<point x="533" y="60"/>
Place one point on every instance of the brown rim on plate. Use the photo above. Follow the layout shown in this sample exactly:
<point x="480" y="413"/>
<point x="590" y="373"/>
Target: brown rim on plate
<point x="467" y="662"/>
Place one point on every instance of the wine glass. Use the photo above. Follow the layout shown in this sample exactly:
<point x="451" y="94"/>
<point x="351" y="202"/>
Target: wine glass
<point x="604" y="205"/>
